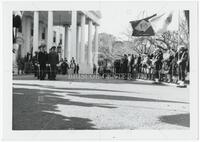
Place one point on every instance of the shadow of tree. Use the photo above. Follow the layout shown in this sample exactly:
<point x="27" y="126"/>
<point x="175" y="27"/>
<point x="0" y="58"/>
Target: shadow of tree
<point x="123" y="98"/>
<point x="30" y="108"/>
<point x="178" y="119"/>
<point x="50" y="121"/>
<point x="77" y="89"/>
<point x="100" y="96"/>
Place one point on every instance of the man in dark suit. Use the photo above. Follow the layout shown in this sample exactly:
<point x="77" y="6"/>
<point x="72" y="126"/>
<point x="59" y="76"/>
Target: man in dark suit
<point x="53" y="60"/>
<point x="42" y="59"/>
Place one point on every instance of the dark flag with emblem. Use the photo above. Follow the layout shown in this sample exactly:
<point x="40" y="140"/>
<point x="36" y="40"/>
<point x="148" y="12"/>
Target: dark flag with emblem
<point x="142" y="27"/>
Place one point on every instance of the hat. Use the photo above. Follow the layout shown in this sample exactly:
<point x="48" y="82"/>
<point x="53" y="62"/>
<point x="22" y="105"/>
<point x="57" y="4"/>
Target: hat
<point x="41" y="46"/>
<point x="53" y="47"/>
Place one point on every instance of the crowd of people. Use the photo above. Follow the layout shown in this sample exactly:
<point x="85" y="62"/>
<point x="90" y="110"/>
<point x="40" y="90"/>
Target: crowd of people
<point x="44" y="64"/>
<point x="24" y="64"/>
<point x="68" y="68"/>
<point x="170" y="67"/>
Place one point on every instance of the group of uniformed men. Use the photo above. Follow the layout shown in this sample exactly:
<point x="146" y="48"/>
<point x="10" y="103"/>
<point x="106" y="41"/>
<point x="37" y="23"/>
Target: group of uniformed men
<point x="153" y="65"/>
<point x="45" y="63"/>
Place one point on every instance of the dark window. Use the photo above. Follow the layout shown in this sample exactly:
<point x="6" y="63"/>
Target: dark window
<point x="43" y="34"/>
<point x="20" y="29"/>
<point x="60" y="39"/>
<point x="32" y="29"/>
<point x="54" y="36"/>
<point x="31" y="32"/>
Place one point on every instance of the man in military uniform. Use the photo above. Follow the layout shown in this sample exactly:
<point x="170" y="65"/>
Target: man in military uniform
<point x="42" y="59"/>
<point x="125" y="66"/>
<point x="182" y="57"/>
<point x="53" y="60"/>
<point x="158" y="57"/>
<point x="139" y="66"/>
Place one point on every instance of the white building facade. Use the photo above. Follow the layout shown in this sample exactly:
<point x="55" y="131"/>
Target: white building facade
<point x="66" y="29"/>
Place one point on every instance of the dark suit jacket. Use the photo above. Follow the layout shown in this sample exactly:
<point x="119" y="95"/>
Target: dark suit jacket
<point x="53" y="58"/>
<point x="42" y="58"/>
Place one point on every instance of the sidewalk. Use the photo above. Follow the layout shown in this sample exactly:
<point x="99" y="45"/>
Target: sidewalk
<point x="92" y="79"/>
<point x="165" y="83"/>
<point x="98" y="104"/>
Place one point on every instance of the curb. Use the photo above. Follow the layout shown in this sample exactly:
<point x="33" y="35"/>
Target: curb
<point x="149" y="81"/>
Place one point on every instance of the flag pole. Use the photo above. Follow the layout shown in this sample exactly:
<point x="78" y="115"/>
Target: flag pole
<point x="147" y="18"/>
<point x="178" y="44"/>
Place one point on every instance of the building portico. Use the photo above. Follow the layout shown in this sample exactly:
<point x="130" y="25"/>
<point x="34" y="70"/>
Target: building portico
<point x="73" y="23"/>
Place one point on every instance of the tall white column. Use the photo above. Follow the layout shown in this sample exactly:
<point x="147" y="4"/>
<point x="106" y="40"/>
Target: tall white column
<point x="25" y="36"/>
<point x="66" y="48"/>
<point x="89" y="58"/>
<point x="73" y="34"/>
<point x="26" y="31"/>
<point x="96" y="46"/>
<point x="50" y="30"/>
<point x="35" y="31"/>
<point x="40" y="33"/>
<point x="82" y="38"/>
<point x="28" y="34"/>
<point x="46" y="34"/>
<point x="78" y="35"/>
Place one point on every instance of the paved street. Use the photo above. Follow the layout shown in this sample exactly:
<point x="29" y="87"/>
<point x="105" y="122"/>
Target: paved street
<point x="97" y="104"/>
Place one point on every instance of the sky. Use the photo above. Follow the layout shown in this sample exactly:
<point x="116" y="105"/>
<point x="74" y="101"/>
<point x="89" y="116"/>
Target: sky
<point x="116" y="16"/>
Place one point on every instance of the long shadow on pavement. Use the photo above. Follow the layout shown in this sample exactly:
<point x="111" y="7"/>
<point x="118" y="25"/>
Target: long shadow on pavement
<point x="77" y="89"/>
<point x="100" y="96"/>
<point x="178" y="119"/>
<point x="35" y="109"/>
<point x="123" y="98"/>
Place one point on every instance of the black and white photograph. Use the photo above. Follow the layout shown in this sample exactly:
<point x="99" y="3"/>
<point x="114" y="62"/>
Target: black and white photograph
<point x="75" y="66"/>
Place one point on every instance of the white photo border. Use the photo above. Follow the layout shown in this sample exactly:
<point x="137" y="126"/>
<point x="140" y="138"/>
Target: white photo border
<point x="9" y="134"/>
